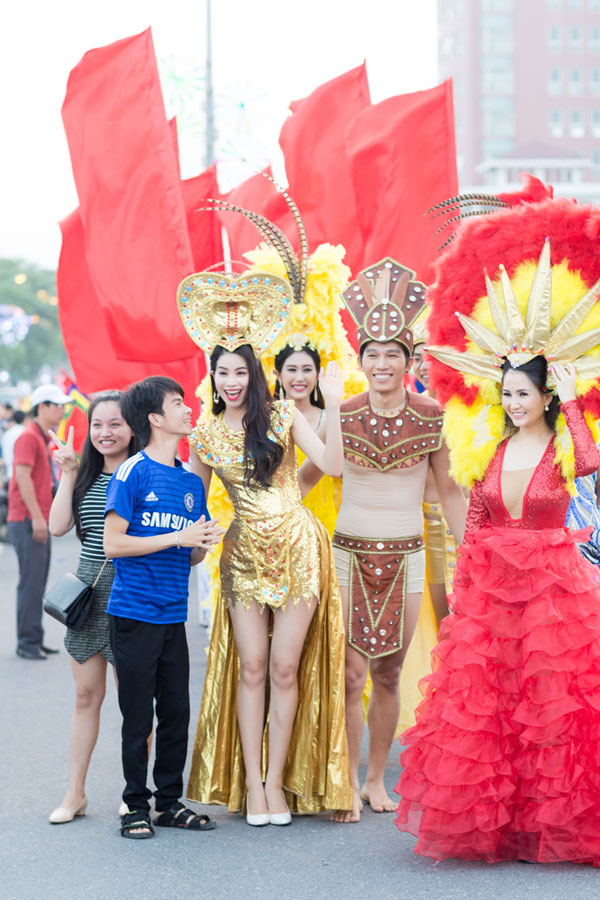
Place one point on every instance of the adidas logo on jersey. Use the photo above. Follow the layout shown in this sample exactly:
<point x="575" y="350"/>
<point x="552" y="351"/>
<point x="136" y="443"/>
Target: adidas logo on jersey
<point x="151" y="498"/>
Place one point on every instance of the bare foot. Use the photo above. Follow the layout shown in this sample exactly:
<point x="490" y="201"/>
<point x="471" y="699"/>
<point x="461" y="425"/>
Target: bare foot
<point x="349" y="815"/>
<point x="276" y="802"/>
<point x="377" y="797"/>
<point x="256" y="802"/>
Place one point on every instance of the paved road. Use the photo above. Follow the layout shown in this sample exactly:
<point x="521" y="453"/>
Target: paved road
<point x="314" y="858"/>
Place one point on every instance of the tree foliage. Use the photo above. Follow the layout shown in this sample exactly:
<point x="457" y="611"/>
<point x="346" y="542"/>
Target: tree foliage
<point x="43" y="344"/>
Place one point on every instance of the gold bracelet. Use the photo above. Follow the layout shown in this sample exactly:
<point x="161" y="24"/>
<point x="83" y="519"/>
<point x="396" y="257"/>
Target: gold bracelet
<point x="177" y="540"/>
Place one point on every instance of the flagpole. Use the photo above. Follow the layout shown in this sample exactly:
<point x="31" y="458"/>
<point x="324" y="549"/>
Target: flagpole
<point x="210" y="105"/>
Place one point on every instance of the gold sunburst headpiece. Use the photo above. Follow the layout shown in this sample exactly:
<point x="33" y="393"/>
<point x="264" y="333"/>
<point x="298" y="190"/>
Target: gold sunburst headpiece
<point x="520" y="338"/>
<point x="419" y="327"/>
<point x="231" y="310"/>
<point x="384" y="301"/>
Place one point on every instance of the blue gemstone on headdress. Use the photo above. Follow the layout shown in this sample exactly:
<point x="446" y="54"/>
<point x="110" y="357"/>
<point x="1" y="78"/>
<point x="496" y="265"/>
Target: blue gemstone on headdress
<point x="255" y="280"/>
<point x="267" y="281"/>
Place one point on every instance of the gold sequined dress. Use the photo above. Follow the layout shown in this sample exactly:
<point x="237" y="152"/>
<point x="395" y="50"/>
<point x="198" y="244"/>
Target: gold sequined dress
<point x="275" y="552"/>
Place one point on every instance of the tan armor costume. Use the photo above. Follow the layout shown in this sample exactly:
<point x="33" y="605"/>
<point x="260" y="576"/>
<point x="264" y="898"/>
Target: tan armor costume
<point x="378" y="547"/>
<point x="378" y="542"/>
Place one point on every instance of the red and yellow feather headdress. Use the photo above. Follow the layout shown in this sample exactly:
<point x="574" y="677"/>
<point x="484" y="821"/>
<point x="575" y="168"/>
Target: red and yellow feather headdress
<point x="539" y="303"/>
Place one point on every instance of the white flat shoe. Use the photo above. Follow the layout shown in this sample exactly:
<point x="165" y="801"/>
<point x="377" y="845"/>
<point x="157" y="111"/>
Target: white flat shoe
<point x="123" y="809"/>
<point x="61" y="814"/>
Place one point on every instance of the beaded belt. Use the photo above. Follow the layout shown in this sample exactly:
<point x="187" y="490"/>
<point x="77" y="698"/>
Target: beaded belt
<point x="377" y="591"/>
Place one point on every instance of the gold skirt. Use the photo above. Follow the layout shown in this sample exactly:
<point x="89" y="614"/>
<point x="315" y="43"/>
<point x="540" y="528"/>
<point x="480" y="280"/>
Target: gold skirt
<point x="316" y="775"/>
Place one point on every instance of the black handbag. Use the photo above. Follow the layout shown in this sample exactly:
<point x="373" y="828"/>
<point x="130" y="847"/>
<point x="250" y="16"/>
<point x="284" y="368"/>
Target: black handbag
<point x="70" y="599"/>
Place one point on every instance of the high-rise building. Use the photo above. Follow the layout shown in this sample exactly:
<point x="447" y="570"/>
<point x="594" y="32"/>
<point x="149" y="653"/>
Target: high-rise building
<point x="526" y="90"/>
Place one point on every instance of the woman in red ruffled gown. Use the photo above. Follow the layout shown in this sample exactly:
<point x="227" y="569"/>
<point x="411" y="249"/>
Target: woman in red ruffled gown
<point x="504" y="761"/>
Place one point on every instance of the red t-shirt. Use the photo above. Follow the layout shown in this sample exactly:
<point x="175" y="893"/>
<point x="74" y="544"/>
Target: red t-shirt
<point x="31" y="449"/>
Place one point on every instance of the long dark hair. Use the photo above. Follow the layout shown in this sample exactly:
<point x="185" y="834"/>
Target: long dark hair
<point x="262" y="455"/>
<point x="316" y="397"/>
<point x="536" y="370"/>
<point x="92" y="461"/>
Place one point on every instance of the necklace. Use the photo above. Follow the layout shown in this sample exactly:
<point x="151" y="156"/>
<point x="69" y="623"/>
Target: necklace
<point x="389" y="413"/>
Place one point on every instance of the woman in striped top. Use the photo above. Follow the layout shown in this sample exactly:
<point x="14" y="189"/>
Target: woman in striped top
<point x="80" y="501"/>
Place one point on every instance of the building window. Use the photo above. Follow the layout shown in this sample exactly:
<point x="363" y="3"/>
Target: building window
<point x="498" y="76"/>
<point x="555" y="123"/>
<point x="576" y="81"/>
<point x="596" y="162"/>
<point x="576" y="128"/>
<point x="555" y="81"/>
<point x="553" y="4"/>
<point x="595" y="39"/>
<point x="499" y="5"/>
<point x="498" y="114"/>
<point x="594" y="5"/>
<point x="554" y="38"/>
<point x="497" y="34"/>
<point x="574" y="4"/>
<point x="576" y="38"/>
<point x="595" y="122"/>
<point x="595" y="81"/>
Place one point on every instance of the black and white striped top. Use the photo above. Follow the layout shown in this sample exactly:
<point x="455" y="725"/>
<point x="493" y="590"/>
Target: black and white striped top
<point x="92" y="518"/>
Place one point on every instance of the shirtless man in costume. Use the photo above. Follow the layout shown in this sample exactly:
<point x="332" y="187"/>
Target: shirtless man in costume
<point x="392" y="439"/>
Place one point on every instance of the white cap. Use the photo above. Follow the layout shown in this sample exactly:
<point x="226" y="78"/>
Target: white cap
<point x="48" y="393"/>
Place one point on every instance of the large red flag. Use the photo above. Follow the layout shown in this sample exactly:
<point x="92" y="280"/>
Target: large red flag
<point x="204" y="228"/>
<point x="259" y="195"/>
<point x="403" y="161"/>
<point x="127" y="178"/>
<point x="312" y="140"/>
<point x="84" y="331"/>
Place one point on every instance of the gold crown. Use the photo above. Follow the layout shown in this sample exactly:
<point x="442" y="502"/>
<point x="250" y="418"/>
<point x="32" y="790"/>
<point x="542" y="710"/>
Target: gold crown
<point x="384" y="301"/>
<point x="231" y="310"/>
<point x="519" y="339"/>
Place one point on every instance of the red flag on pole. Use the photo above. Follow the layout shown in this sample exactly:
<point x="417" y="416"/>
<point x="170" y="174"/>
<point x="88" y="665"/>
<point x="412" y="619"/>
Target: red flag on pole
<point x="83" y="325"/>
<point x="127" y="178"/>
<point x="312" y="140"/>
<point x="204" y="228"/>
<point x="403" y="161"/>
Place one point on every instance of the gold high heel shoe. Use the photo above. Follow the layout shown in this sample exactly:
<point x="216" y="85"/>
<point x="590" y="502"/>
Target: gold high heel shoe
<point x="62" y="814"/>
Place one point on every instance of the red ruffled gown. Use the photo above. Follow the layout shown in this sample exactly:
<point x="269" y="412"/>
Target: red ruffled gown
<point x="504" y="760"/>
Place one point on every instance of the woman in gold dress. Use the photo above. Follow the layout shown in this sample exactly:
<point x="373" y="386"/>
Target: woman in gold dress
<point x="278" y="623"/>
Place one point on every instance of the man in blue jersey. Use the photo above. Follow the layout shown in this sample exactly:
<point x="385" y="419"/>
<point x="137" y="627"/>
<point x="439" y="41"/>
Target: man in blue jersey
<point x="157" y="525"/>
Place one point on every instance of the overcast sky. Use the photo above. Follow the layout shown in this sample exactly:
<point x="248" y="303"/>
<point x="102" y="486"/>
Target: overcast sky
<point x="266" y="53"/>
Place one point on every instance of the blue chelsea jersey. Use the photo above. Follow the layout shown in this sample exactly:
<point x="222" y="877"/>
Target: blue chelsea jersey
<point x="154" y="499"/>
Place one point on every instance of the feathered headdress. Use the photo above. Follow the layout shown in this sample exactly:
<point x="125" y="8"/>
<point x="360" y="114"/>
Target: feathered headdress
<point x="539" y="304"/>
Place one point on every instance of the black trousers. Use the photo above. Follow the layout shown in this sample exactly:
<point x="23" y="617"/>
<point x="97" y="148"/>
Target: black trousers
<point x="152" y="663"/>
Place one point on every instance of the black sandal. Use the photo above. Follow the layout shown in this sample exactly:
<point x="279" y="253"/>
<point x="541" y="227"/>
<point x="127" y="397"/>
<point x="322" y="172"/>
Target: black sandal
<point x="136" y="819"/>
<point x="178" y="816"/>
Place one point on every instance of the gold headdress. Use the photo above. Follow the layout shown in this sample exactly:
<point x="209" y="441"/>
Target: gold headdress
<point x="300" y="342"/>
<point x="519" y="338"/>
<point x="419" y="327"/>
<point x="229" y="311"/>
<point x="384" y="301"/>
